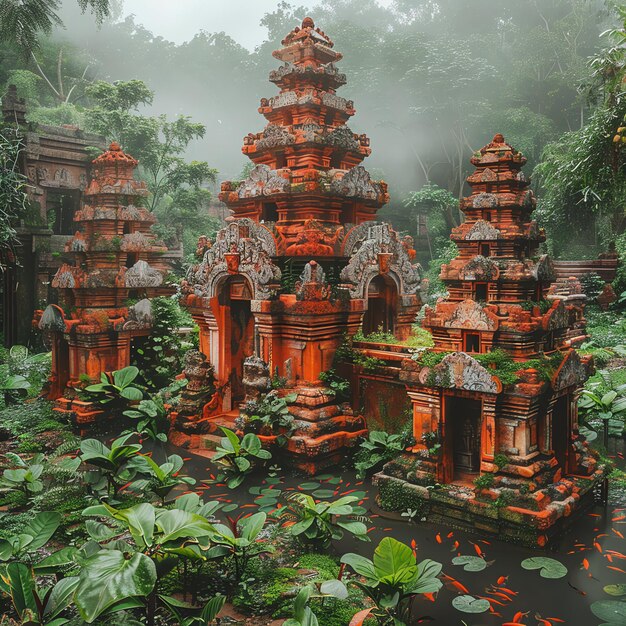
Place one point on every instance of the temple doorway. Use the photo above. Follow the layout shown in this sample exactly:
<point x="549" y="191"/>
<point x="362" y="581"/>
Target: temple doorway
<point x="382" y="298"/>
<point x="236" y="336"/>
<point x="560" y="430"/>
<point x="462" y="438"/>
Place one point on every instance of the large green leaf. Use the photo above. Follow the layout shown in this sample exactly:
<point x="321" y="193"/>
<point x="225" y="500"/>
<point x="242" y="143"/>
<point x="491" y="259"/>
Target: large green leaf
<point x="51" y="564"/>
<point x="132" y="393"/>
<point x="394" y="562"/>
<point x="41" y="528"/>
<point x="212" y="608"/>
<point x="360" y="564"/>
<point x="176" y="524"/>
<point x="21" y="587"/>
<point x="108" y="577"/>
<point x="140" y="519"/>
<point x="61" y="596"/>
<point x="251" y="526"/>
<point x="124" y="377"/>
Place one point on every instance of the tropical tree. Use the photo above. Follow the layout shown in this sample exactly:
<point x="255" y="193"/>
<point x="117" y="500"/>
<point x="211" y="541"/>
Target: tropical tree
<point x="23" y="21"/>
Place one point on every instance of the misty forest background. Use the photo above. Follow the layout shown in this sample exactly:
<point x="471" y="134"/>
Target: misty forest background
<point x="432" y="81"/>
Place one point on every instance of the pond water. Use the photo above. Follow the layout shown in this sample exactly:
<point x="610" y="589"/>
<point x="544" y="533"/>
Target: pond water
<point x="594" y="551"/>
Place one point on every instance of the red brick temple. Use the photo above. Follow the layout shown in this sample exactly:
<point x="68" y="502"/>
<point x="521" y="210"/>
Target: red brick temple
<point x="301" y="264"/>
<point x="495" y="404"/>
<point x="116" y="259"/>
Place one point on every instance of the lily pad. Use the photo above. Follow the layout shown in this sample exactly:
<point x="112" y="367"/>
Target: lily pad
<point x="273" y="480"/>
<point x="309" y="486"/>
<point x="471" y="563"/>
<point x="615" y="590"/>
<point x="470" y="604"/>
<point x="324" y="477"/>
<point x="255" y="491"/>
<point x="230" y="507"/>
<point x="323" y="493"/>
<point x="611" y="611"/>
<point x="549" y="568"/>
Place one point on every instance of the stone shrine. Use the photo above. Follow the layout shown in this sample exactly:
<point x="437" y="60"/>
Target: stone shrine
<point x="302" y="264"/>
<point x="116" y="258"/>
<point x="494" y="403"/>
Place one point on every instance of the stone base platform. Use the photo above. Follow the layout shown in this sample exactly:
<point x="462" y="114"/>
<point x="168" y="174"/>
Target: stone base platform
<point x="478" y="511"/>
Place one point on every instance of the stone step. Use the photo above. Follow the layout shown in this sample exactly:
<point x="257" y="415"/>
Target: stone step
<point x="209" y="443"/>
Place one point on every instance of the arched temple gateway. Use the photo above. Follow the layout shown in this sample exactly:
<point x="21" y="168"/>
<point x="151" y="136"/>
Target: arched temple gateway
<point x="495" y="404"/>
<point x="302" y="262"/>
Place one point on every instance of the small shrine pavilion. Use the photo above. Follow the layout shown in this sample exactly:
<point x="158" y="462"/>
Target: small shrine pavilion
<point x="302" y="263"/>
<point x="494" y="403"/>
<point x="116" y="260"/>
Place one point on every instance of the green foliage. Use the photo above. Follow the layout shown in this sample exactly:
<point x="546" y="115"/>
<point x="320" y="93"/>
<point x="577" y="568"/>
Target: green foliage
<point x="484" y="481"/>
<point x="238" y="543"/>
<point x="604" y="400"/>
<point x="152" y="413"/>
<point x="161" y="478"/>
<point x="117" y="390"/>
<point x="377" y="336"/>
<point x="269" y="415"/>
<point x="159" y="357"/>
<point x="341" y="387"/>
<point x="318" y="523"/>
<point x="440" y="207"/>
<point x="393" y="579"/>
<point x="23" y="475"/>
<point x="239" y="457"/>
<point x="419" y="338"/>
<point x="112" y="465"/>
<point x="24" y="21"/>
<point x="159" y="145"/>
<point x="377" y="449"/>
<point x="13" y="184"/>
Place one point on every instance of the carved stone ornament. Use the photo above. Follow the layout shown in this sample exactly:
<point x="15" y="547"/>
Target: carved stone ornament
<point x="275" y="136"/>
<point x="570" y="373"/>
<point x="364" y="244"/>
<point x="482" y="231"/>
<point x="312" y="284"/>
<point x="357" y="183"/>
<point x="68" y="277"/>
<point x="479" y="268"/>
<point x="460" y="371"/>
<point x="544" y="270"/>
<point x="139" y="315"/>
<point x="557" y="317"/>
<point x="263" y="181"/>
<point x="52" y="319"/>
<point x="255" y="245"/>
<point x="469" y="314"/>
<point x="142" y="275"/>
<point x="256" y="378"/>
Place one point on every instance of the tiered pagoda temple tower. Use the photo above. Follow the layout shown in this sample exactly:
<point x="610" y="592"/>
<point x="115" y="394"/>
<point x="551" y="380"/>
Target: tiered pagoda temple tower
<point x="498" y="398"/>
<point x="116" y="258"/>
<point x="301" y="264"/>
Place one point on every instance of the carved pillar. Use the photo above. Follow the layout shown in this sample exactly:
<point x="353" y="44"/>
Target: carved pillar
<point x="488" y="432"/>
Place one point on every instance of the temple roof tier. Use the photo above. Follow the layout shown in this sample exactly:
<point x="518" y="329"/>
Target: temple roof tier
<point x="307" y="45"/>
<point x="291" y="76"/>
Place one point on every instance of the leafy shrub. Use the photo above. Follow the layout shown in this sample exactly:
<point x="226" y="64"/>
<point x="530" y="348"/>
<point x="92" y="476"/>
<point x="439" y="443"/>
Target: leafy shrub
<point x="116" y="390"/>
<point x="393" y="579"/>
<point x="318" y="523"/>
<point x="377" y="449"/>
<point x="159" y="357"/>
<point x="269" y="415"/>
<point x="238" y="457"/>
<point x="338" y="385"/>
